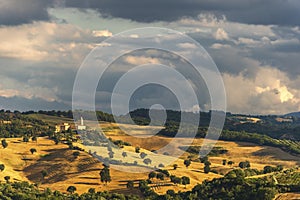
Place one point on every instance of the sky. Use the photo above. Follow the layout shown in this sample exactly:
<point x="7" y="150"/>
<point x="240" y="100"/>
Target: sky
<point x="254" y="43"/>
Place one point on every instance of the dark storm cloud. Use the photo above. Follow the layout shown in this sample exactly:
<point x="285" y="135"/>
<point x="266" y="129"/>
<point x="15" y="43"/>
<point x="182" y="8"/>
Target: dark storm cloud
<point x="15" y="12"/>
<point x="281" y="12"/>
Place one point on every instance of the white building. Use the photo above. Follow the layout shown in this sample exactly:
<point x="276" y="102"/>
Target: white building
<point x="81" y="126"/>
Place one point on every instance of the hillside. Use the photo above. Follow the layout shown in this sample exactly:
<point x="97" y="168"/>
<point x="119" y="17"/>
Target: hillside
<point x="64" y="169"/>
<point x="293" y="114"/>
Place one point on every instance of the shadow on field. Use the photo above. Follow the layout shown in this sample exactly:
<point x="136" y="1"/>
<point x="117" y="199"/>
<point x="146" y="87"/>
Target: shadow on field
<point x="60" y="165"/>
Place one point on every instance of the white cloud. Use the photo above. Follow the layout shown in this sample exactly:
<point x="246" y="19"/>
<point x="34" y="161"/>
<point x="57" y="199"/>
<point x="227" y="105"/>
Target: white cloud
<point x="187" y="45"/>
<point x="219" y="46"/>
<point x="139" y="60"/>
<point x="44" y="41"/>
<point x="102" y="33"/>
<point x="263" y="94"/>
<point x="221" y="34"/>
<point x="247" y="41"/>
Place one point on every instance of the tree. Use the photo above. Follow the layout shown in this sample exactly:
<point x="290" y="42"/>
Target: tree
<point x="279" y="167"/>
<point x="25" y="139"/>
<point x="268" y="169"/>
<point x="92" y="191"/>
<point x="176" y="180"/>
<point x="44" y="173"/>
<point x="202" y="160"/>
<point x="175" y="166"/>
<point x="143" y="155"/>
<point x="109" y="147"/>
<point x="34" y="138"/>
<point x="161" y="165"/>
<point x="137" y="149"/>
<point x="76" y="154"/>
<point x="71" y="189"/>
<point x="171" y="193"/>
<point x="244" y="165"/>
<point x="224" y="162"/>
<point x="111" y="154"/>
<point x="230" y="162"/>
<point x="160" y="176"/>
<point x="207" y="163"/>
<point x="2" y="167"/>
<point x="4" y="144"/>
<point x="151" y="175"/>
<point x="147" y="161"/>
<point x="185" y="180"/>
<point x="105" y="175"/>
<point x="248" y="164"/>
<point x="124" y="154"/>
<point x="33" y="150"/>
<point x="7" y="178"/>
<point x="206" y="169"/>
<point x="130" y="185"/>
<point x="56" y="140"/>
<point x="187" y="163"/>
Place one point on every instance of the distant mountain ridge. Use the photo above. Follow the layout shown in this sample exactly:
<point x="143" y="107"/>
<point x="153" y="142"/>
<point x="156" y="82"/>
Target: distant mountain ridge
<point x="293" y="114"/>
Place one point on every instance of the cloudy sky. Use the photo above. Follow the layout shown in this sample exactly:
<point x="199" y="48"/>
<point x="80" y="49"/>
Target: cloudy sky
<point x="254" y="43"/>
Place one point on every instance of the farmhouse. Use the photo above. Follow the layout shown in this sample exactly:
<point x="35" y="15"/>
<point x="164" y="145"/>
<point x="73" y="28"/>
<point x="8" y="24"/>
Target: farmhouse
<point x="5" y="122"/>
<point x="62" y="127"/>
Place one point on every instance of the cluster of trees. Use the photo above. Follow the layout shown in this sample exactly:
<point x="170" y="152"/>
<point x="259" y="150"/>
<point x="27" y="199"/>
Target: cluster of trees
<point x="237" y="188"/>
<point x="242" y="173"/>
<point x="119" y="143"/>
<point x="57" y="113"/>
<point x="102" y="116"/>
<point x="215" y="151"/>
<point x="184" y="180"/>
<point x="290" y="146"/>
<point x="105" y="174"/>
<point x="246" y="171"/>
<point x="159" y="174"/>
<point x="207" y="167"/>
<point x="25" y="191"/>
<point x="21" y="125"/>
<point x="230" y="187"/>
<point x="233" y="185"/>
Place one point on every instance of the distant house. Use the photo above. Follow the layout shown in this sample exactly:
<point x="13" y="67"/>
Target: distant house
<point x="243" y="120"/>
<point x="284" y="120"/>
<point x="5" y="122"/>
<point x="62" y="127"/>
